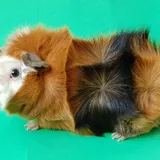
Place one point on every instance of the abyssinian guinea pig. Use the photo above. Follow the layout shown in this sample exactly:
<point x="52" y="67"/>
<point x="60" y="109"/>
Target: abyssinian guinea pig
<point x="33" y="77"/>
<point x="99" y="80"/>
<point x="113" y="84"/>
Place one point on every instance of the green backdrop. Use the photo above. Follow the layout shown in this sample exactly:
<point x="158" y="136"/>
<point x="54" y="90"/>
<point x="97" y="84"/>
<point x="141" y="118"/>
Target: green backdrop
<point x="85" y="19"/>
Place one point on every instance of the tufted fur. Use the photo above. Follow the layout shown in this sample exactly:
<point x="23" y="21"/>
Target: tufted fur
<point x="43" y="95"/>
<point x="100" y="83"/>
<point x="146" y="78"/>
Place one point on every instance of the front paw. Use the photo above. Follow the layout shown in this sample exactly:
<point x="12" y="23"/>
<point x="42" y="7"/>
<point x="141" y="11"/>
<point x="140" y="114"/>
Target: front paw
<point x="118" y="136"/>
<point x="32" y="125"/>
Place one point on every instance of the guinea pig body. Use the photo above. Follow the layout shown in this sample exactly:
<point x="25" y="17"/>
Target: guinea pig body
<point x="40" y="56"/>
<point x="100" y="83"/>
<point x="113" y="84"/>
<point x="146" y="77"/>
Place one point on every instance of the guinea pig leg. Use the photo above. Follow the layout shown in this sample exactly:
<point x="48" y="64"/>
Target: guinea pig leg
<point x="135" y="127"/>
<point x="57" y="124"/>
<point x="32" y="125"/>
<point x="115" y="135"/>
<point x="55" y="118"/>
<point x="121" y="137"/>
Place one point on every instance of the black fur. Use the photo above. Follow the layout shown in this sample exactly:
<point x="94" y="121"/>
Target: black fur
<point x="105" y="93"/>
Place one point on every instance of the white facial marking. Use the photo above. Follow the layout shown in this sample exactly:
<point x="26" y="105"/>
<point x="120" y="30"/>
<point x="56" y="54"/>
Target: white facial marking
<point x="12" y="76"/>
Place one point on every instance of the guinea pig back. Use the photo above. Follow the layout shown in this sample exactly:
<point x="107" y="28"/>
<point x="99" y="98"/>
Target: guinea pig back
<point x="99" y="81"/>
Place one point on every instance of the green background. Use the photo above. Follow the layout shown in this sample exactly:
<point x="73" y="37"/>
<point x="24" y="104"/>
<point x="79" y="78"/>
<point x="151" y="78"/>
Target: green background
<point x="85" y="19"/>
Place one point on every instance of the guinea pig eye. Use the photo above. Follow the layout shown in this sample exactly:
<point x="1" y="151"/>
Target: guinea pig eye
<point x="14" y="73"/>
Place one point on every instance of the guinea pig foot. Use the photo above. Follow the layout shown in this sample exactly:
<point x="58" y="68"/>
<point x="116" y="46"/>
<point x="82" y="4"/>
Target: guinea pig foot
<point x="115" y="135"/>
<point x="32" y="125"/>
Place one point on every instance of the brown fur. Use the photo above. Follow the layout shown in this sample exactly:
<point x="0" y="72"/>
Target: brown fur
<point x="87" y="52"/>
<point x="88" y="97"/>
<point x="44" y="96"/>
<point x="146" y="76"/>
<point x="135" y="127"/>
<point x="82" y="53"/>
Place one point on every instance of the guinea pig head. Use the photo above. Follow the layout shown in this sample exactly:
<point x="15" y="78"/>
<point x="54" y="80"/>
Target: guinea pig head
<point x="32" y="73"/>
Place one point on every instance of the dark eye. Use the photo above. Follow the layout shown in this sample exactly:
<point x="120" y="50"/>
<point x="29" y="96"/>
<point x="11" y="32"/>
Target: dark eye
<point x="14" y="73"/>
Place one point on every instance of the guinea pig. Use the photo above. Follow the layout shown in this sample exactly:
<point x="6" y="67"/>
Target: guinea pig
<point x="33" y="77"/>
<point x="108" y="80"/>
<point x="103" y="90"/>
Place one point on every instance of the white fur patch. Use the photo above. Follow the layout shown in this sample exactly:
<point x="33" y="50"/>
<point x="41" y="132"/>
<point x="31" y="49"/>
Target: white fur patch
<point x="19" y="33"/>
<point x="9" y="86"/>
<point x="6" y="59"/>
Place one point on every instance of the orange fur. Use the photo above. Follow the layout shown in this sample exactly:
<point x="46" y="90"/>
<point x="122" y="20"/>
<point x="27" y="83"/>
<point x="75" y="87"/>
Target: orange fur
<point x="87" y="52"/>
<point x="146" y="74"/>
<point x="44" y="96"/>
<point x="82" y="53"/>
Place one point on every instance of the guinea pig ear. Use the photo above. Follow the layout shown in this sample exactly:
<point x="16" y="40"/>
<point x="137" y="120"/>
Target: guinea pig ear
<point x="34" y="61"/>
